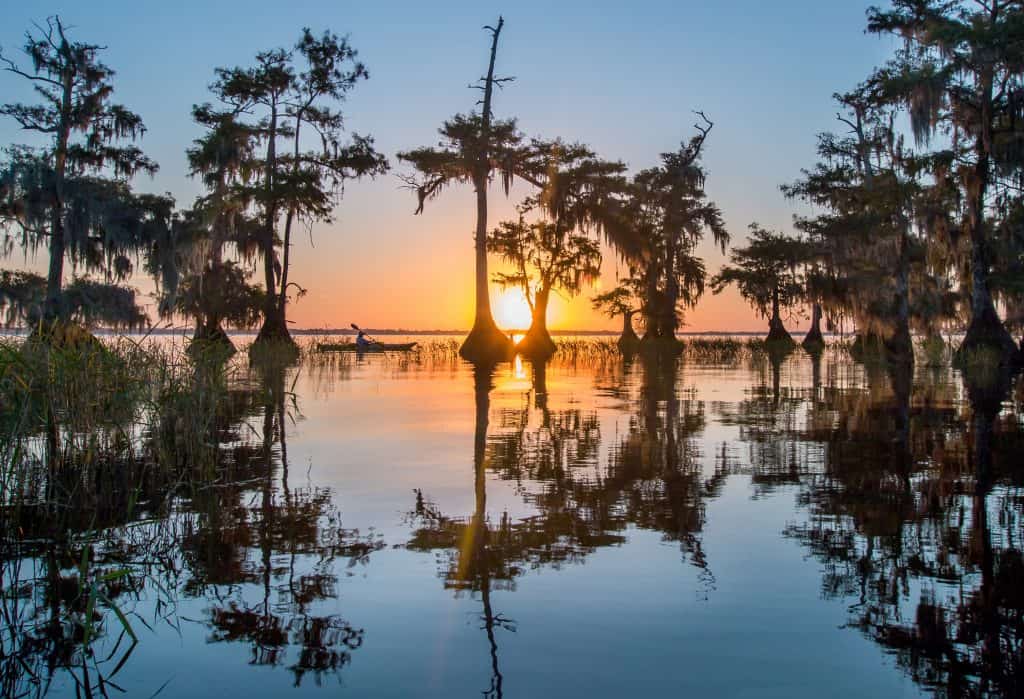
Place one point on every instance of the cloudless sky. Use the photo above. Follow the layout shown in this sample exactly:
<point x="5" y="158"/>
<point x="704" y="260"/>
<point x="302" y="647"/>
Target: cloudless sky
<point x="621" y="77"/>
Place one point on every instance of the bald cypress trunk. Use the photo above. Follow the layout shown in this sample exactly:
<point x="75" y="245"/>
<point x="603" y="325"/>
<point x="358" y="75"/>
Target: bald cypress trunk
<point x="485" y="342"/>
<point x="274" y="328"/>
<point x="777" y="332"/>
<point x="537" y="343"/>
<point x="209" y="325"/>
<point x="814" y="341"/>
<point x="628" y="340"/>
<point x="53" y="306"/>
<point x="900" y="347"/>
<point x="289" y="219"/>
<point x="986" y="332"/>
<point x="650" y="306"/>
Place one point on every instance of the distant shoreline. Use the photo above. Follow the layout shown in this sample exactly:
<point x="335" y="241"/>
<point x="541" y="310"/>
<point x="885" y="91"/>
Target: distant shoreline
<point x="402" y="331"/>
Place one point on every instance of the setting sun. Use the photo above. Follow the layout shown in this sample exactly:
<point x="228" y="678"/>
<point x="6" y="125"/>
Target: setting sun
<point x="511" y="311"/>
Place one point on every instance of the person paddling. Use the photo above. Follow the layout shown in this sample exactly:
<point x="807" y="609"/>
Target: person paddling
<point x="363" y="341"/>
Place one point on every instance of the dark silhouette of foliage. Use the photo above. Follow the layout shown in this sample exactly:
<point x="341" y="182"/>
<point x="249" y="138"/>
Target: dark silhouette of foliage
<point x="553" y="246"/>
<point x="285" y="91"/>
<point x="868" y="253"/>
<point x="72" y="196"/>
<point x="766" y="273"/>
<point x="668" y="215"/>
<point x="624" y="300"/>
<point x="959" y="77"/>
<point x="476" y="148"/>
<point x="215" y="291"/>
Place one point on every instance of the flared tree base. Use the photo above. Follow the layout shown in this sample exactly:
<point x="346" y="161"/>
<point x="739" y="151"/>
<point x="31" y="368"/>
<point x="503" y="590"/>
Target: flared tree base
<point x="778" y="337"/>
<point x="661" y="345"/>
<point x="486" y="344"/>
<point x="628" y="342"/>
<point x="814" y="342"/>
<point x="988" y="342"/>
<point x="274" y="329"/>
<point x="274" y="344"/>
<point x="211" y="342"/>
<point x="536" y="345"/>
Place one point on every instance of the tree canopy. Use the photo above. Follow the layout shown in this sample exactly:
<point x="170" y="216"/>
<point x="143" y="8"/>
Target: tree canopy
<point x="72" y="195"/>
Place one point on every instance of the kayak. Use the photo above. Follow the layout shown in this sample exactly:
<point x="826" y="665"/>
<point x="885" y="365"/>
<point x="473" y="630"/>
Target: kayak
<point x="374" y="347"/>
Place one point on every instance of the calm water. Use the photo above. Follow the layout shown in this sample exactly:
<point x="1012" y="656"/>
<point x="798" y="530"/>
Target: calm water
<point x="400" y="528"/>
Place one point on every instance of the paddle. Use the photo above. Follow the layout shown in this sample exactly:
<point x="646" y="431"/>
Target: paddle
<point x="358" y="329"/>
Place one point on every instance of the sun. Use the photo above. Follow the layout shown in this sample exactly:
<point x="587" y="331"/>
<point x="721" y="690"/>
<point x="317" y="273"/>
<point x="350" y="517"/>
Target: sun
<point x="511" y="311"/>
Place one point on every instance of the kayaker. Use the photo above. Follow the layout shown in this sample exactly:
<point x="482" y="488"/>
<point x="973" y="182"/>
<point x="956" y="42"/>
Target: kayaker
<point x="361" y="341"/>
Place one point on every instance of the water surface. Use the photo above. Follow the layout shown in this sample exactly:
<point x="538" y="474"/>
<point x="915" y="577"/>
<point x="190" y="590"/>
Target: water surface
<point x="399" y="527"/>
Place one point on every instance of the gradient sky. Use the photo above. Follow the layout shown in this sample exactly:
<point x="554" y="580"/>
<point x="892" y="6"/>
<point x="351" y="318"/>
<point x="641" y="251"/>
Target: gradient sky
<point x="621" y="77"/>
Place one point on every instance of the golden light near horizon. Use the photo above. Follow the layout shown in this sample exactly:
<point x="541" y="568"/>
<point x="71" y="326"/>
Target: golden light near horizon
<point x="511" y="311"/>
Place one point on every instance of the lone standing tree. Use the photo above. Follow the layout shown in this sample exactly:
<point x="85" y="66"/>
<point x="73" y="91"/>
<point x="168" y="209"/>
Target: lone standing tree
<point x="72" y="196"/>
<point x="668" y="215"/>
<point x="545" y="258"/>
<point x="286" y="90"/>
<point x="473" y="149"/>
<point x="625" y="301"/>
<point x="766" y="274"/>
<point x="215" y="291"/>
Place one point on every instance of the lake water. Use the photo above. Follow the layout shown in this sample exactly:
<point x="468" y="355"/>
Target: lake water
<point x="411" y="527"/>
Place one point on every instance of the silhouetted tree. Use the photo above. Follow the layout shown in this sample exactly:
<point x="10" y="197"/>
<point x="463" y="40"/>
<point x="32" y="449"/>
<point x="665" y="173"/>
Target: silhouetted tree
<point x="766" y="273"/>
<point x="72" y="195"/>
<point x="959" y="75"/>
<point x="545" y="259"/>
<point x="624" y="300"/>
<point x="286" y="90"/>
<point x="668" y="216"/>
<point x="556" y="249"/>
<point x="214" y="290"/>
<point x="475" y="148"/>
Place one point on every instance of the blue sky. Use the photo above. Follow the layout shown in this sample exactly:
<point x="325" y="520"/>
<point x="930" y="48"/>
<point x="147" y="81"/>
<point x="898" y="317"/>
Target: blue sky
<point x="622" y="77"/>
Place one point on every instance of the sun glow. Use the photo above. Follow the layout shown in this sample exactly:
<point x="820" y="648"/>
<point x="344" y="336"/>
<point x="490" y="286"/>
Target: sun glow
<point x="511" y="311"/>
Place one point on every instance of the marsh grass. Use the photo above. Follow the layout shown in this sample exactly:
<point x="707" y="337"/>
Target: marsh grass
<point x="693" y="350"/>
<point x="934" y="351"/>
<point x="722" y="350"/>
<point x="98" y="442"/>
<point x="89" y="435"/>
<point x="320" y="353"/>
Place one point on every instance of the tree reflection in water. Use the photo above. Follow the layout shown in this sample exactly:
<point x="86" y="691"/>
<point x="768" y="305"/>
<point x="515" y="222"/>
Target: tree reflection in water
<point x="263" y="554"/>
<point x="286" y="542"/>
<point x="908" y="491"/>
<point x="915" y="511"/>
<point x="651" y="480"/>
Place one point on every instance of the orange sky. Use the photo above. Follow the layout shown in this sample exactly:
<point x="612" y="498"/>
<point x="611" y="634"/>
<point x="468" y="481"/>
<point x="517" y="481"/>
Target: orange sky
<point x="417" y="272"/>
